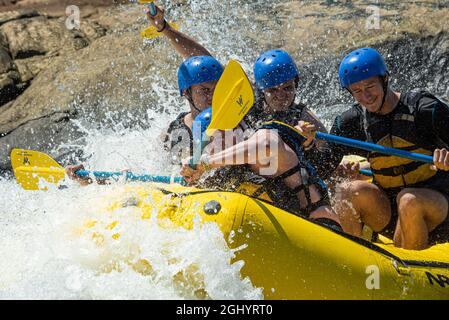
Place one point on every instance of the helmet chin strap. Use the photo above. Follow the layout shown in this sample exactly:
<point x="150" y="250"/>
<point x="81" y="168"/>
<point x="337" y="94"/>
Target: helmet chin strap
<point x="189" y="98"/>
<point x="385" y="89"/>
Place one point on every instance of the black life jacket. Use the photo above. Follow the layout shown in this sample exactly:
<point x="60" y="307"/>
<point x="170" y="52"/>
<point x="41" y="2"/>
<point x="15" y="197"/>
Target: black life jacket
<point x="400" y="130"/>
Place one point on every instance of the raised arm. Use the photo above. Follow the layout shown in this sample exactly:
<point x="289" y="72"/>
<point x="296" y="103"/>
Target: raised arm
<point x="183" y="44"/>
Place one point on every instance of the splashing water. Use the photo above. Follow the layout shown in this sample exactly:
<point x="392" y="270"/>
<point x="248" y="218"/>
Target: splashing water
<point x="44" y="255"/>
<point x="51" y="250"/>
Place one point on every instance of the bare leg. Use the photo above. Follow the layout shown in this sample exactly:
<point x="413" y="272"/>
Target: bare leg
<point x="359" y="202"/>
<point x="397" y="239"/>
<point x="325" y="212"/>
<point x="282" y="158"/>
<point x="420" y="211"/>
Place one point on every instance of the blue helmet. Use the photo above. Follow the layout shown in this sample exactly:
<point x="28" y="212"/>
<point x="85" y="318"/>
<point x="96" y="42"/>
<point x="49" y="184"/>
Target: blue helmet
<point x="273" y="68"/>
<point x="361" y="64"/>
<point x="204" y="118"/>
<point x="196" y="70"/>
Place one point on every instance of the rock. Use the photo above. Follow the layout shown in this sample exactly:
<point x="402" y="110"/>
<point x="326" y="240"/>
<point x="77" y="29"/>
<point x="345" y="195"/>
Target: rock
<point x="39" y="36"/>
<point x="17" y="15"/>
<point x="3" y="42"/>
<point x="56" y="7"/>
<point x="113" y="74"/>
<point x="420" y="62"/>
<point x="92" y="30"/>
<point x="86" y="74"/>
<point x="43" y="134"/>
<point x="113" y="70"/>
<point x="6" y="63"/>
<point x="9" y="88"/>
<point x="32" y="42"/>
<point x="30" y="68"/>
<point x="9" y="78"/>
<point x="42" y="36"/>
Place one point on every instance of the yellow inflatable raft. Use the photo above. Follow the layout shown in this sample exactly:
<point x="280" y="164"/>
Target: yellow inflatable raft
<point x="293" y="258"/>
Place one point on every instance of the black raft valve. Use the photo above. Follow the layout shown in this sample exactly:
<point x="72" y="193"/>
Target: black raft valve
<point x="212" y="207"/>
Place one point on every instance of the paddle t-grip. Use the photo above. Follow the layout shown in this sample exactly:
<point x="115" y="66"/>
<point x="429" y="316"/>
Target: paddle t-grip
<point x="153" y="10"/>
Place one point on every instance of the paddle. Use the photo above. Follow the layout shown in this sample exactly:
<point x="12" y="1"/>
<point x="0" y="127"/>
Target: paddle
<point x="151" y="32"/>
<point x="29" y="166"/>
<point x="233" y="98"/>
<point x="366" y="172"/>
<point x="374" y="147"/>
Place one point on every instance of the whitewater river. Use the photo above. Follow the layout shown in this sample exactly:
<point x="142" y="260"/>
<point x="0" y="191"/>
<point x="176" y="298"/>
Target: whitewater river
<point x="46" y="254"/>
<point x="49" y="248"/>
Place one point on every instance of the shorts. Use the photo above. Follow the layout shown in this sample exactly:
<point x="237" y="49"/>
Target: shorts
<point x="439" y="235"/>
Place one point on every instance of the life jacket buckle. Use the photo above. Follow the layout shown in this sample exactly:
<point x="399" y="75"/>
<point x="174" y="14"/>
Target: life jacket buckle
<point x="398" y="171"/>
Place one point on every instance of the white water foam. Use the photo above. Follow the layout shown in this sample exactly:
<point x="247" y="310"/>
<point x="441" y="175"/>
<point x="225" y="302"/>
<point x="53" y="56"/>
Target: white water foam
<point x="44" y="256"/>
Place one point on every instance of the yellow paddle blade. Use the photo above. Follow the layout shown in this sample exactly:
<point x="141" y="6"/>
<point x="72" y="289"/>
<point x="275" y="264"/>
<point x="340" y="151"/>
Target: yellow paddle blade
<point x="233" y="98"/>
<point x="30" y="166"/>
<point x="151" y="32"/>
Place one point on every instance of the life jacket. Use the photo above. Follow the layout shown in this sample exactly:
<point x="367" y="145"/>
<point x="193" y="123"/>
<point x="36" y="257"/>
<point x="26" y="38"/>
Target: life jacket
<point x="399" y="130"/>
<point x="274" y="190"/>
